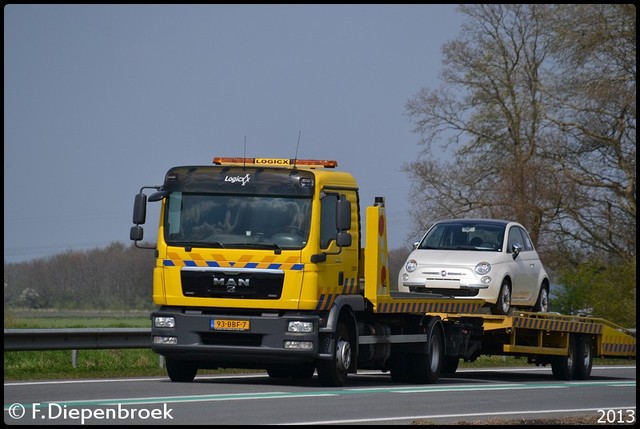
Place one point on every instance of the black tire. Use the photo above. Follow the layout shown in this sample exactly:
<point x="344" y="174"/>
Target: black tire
<point x="181" y="371"/>
<point x="542" y="304"/>
<point x="399" y="367"/>
<point x="303" y="371"/>
<point x="426" y="368"/>
<point x="502" y="307"/>
<point x="333" y="372"/>
<point x="564" y="367"/>
<point x="450" y="365"/>
<point x="584" y="357"/>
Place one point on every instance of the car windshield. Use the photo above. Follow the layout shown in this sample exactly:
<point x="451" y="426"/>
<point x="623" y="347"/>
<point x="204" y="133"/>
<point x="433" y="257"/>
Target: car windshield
<point x="465" y="235"/>
<point x="232" y="221"/>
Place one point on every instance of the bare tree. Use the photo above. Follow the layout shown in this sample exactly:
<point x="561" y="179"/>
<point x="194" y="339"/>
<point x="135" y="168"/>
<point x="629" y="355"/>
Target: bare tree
<point x="490" y="113"/>
<point x="592" y="102"/>
<point x="535" y="120"/>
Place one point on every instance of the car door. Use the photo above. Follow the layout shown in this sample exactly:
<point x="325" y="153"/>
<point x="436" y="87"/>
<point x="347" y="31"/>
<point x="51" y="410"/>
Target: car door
<point x="520" y="279"/>
<point x="526" y="267"/>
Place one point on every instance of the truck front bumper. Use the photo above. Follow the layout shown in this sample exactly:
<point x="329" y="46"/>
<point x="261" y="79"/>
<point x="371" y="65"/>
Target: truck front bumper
<point x="231" y="340"/>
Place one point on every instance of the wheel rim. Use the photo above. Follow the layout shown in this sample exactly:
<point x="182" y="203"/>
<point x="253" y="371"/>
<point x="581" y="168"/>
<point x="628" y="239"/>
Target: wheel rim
<point x="343" y="355"/>
<point x="435" y="355"/>
<point x="586" y="357"/>
<point x="544" y="300"/>
<point x="572" y="357"/>
<point x="506" y="299"/>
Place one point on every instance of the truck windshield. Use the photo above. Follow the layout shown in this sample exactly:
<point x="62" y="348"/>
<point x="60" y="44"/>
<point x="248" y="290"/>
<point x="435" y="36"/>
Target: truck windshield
<point x="236" y="221"/>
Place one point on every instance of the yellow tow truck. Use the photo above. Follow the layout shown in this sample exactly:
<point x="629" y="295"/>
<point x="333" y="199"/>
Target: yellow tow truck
<point x="260" y="264"/>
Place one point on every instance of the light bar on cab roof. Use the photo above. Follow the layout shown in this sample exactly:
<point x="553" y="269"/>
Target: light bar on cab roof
<point x="284" y="162"/>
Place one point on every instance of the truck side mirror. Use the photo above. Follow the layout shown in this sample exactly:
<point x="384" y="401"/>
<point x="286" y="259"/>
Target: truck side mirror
<point x="140" y="209"/>
<point x="343" y="239"/>
<point x="343" y="214"/>
<point x="136" y="233"/>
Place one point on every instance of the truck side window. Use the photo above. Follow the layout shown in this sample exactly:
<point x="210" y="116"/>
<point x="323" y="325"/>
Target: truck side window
<point x="328" y="227"/>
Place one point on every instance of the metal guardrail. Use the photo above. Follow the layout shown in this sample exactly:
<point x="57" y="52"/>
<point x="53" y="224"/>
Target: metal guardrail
<point x="76" y="339"/>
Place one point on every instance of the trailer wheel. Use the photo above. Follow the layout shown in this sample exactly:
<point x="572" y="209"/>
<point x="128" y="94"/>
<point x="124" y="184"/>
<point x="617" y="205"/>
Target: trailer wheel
<point x="564" y="367"/>
<point x="333" y="372"/>
<point x="426" y="367"/>
<point x="584" y="357"/>
<point x="181" y="371"/>
<point x="502" y="306"/>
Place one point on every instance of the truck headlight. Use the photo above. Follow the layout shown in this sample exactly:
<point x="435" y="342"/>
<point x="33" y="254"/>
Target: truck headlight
<point x="300" y="326"/>
<point x="164" y="322"/>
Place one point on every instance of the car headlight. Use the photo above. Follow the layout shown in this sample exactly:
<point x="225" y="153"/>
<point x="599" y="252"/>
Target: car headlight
<point x="483" y="268"/>
<point x="411" y="265"/>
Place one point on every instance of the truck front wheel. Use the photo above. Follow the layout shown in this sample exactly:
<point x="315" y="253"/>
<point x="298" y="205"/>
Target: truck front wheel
<point x="333" y="372"/>
<point x="181" y="371"/>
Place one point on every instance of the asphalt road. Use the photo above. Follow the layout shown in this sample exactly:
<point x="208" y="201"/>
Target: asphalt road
<point x="470" y="396"/>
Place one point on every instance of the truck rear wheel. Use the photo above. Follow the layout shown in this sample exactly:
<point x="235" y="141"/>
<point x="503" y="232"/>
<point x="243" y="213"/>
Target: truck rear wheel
<point x="399" y="366"/>
<point x="333" y="372"/>
<point x="450" y="364"/>
<point x="564" y="367"/>
<point x="426" y="367"/>
<point x="584" y="357"/>
<point x="181" y="371"/>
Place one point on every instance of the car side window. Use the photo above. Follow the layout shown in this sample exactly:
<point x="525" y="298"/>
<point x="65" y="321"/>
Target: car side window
<point x="515" y="236"/>
<point x="528" y="245"/>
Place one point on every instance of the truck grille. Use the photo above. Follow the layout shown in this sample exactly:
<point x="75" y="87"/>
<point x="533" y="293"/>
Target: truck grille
<point x="254" y="284"/>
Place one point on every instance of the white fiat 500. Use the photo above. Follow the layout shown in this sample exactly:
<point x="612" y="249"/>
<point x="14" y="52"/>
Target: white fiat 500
<point x="483" y="258"/>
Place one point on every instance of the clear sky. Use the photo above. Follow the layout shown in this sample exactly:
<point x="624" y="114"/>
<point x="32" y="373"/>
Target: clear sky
<point x="100" y="100"/>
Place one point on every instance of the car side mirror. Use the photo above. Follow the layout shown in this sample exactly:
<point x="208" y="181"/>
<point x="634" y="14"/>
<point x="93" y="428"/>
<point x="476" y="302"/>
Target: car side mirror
<point x="515" y="250"/>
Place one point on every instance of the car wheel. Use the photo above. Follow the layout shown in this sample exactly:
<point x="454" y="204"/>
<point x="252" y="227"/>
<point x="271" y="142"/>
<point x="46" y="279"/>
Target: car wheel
<point x="542" y="305"/>
<point x="503" y="304"/>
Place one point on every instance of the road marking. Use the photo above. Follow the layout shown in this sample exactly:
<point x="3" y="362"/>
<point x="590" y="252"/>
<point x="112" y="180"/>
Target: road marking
<point x="316" y="394"/>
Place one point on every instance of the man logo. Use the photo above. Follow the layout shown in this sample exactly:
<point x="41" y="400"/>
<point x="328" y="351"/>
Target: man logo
<point x="231" y="283"/>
